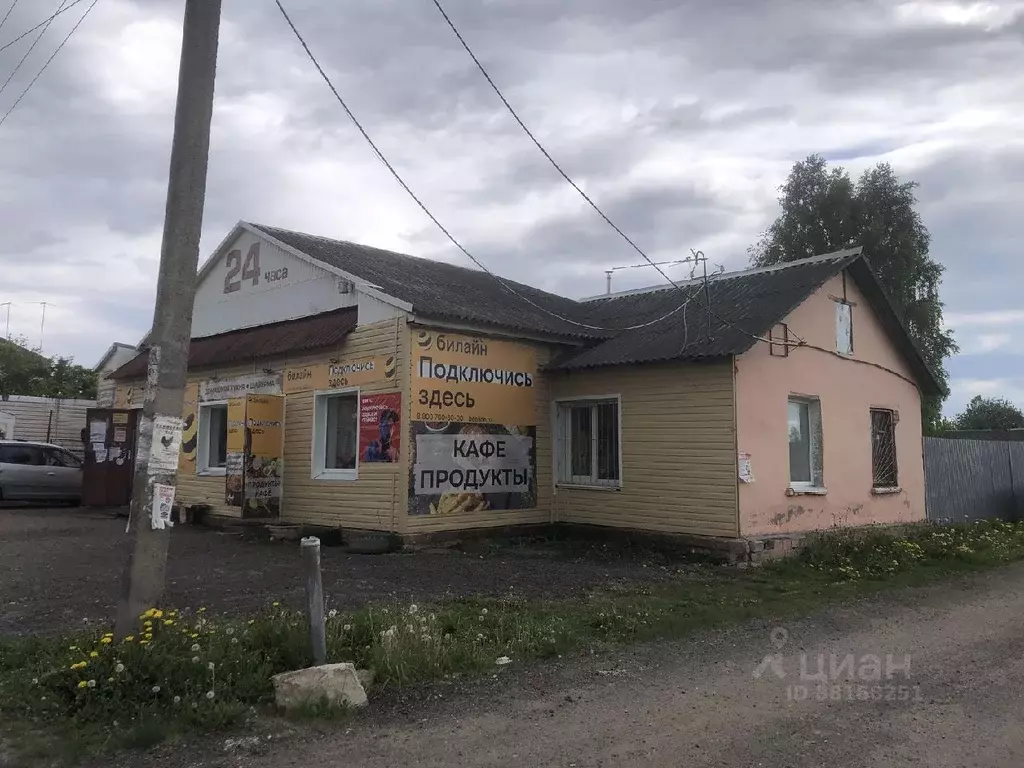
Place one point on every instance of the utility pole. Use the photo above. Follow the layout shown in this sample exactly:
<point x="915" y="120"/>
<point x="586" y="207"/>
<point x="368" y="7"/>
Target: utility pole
<point x="8" y="305"/>
<point x="145" y="572"/>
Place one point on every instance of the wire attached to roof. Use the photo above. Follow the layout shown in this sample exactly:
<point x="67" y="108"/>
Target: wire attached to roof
<point x="504" y="284"/>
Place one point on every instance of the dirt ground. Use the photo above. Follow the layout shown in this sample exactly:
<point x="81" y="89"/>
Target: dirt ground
<point x="956" y="649"/>
<point x="60" y="568"/>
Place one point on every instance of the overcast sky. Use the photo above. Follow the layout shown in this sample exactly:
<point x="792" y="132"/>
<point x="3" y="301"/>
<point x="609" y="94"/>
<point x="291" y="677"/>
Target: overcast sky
<point x="680" y="118"/>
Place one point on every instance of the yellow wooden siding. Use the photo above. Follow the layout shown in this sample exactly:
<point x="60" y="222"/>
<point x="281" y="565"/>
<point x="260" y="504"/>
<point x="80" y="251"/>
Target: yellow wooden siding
<point x="678" y="448"/>
<point x="364" y="503"/>
<point x="493" y="518"/>
<point x="378" y="498"/>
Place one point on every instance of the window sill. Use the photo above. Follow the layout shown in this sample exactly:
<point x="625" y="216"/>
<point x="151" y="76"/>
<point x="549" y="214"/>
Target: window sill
<point x="212" y="472"/>
<point x="809" y="491"/>
<point x="585" y="487"/>
<point x="337" y="474"/>
<point x="886" y="491"/>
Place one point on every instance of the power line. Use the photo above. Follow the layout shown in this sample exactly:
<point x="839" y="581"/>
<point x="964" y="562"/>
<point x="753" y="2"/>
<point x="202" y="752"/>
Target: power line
<point x="439" y="225"/>
<point x="52" y="57"/>
<point x="544" y="152"/>
<point x="31" y="47"/>
<point x="28" y="32"/>
<point x="6" y="15"/>
<point x="584" y="195"/>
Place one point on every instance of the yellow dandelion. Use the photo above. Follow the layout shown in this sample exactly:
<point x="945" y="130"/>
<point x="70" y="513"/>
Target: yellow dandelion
<point x="168" y="622"/>
<point x="129" y="638"/>
<point x="194" y="635"/>
<point x="94" y="654"/>
<point x="158" y="614"/>
<point x="108" y="634"/>
<point x="143" y="642"/>
<point x="83" y="684"/>
<point x="106" y="640"/>
<point x="275" y="604"/>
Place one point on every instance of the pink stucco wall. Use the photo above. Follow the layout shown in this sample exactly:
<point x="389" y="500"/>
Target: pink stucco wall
<point x="847" y="391"/>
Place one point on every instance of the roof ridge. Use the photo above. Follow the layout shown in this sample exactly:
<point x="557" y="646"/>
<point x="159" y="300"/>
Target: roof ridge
<point x="808" y="260"/>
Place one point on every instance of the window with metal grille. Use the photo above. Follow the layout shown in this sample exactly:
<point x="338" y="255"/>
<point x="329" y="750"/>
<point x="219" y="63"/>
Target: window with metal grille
<point x="587" y="442"/>
<point x="883" y="448"/>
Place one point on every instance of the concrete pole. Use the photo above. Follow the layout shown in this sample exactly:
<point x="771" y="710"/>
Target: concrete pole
<point x="144" y="575"/>
<point x="313" y="578"/>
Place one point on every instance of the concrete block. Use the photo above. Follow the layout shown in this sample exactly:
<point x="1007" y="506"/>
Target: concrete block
<point x="336" y="684"/>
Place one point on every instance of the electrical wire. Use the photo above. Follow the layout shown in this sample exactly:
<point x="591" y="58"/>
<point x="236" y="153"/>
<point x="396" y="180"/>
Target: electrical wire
<point x="440" y="226"/>
<point x="7" y="15"/>
<point x="31" y="47"/>
<point x="544" y="152"/>
<point x="47" y="63"/>
<point x="28" y="32"/>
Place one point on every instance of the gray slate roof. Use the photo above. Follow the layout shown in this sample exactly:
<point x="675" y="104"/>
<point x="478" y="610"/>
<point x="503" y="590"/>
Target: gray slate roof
<point x="442" y="291"/>
<point x="696" y="323"/>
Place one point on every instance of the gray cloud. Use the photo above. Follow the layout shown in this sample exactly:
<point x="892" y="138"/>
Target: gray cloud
<point x="680" y="119"/>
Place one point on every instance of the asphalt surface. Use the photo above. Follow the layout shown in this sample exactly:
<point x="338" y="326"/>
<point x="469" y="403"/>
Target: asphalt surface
<point x="698" y="704"/>
<point x="61" y="569"/>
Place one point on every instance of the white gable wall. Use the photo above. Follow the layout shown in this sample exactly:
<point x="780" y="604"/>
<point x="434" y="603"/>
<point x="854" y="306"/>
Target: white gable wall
<point x="283" y="287"/>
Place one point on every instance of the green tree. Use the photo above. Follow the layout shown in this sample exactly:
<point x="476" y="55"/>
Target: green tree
<point x="24" y="371"/>
<point x="990" y="413"/>
<point x="823" y="210"/>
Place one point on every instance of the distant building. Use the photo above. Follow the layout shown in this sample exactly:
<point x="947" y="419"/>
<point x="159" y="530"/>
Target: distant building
<point x="113" y="358"/>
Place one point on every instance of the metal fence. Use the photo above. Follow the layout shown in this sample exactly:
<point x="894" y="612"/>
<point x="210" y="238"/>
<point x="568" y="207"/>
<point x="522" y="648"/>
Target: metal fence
<point x="969" y="480"/>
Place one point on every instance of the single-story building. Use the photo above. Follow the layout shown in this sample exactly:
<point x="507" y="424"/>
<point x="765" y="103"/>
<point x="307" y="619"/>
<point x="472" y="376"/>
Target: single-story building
<point x="336" y="384"/>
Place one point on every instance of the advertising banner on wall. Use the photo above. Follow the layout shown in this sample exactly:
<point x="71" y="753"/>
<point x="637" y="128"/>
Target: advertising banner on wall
<point x="263" y="467"/>
<point x="380" y="427"/>
<point x="234" y="467"/>
<point x="189" y="437"/>
<point x="474" y="425"/>
<point x="343" y="373"/>
<point x="240" y="386"/>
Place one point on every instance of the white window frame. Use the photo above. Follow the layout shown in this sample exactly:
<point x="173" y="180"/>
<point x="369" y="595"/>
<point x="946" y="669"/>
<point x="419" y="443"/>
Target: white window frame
<point x="840" y="305"/>
<point x="318" y="450"/>
<point x="816" y="485"/>
<point x="203" y="469"/>
<point x="560" y="410"/>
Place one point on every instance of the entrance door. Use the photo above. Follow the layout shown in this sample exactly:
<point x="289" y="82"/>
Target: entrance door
<point x="109" y="457"/>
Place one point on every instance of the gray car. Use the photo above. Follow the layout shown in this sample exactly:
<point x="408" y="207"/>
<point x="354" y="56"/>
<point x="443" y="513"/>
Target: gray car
<point x="38" y="472"/>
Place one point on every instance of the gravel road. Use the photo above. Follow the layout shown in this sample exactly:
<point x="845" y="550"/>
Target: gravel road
<point x="59" y="567"/>
<point x="697" y="703"/>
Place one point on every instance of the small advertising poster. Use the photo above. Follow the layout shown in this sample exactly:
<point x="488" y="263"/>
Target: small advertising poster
<point x="166" y="445"/>
<point x="189" y="437"/>
<point x="379" y="427"/>
<point x="346" y="372"/>
<point x="235" y="459"/>
<point x="264" y="422"/>
<point x="464" y="468"/>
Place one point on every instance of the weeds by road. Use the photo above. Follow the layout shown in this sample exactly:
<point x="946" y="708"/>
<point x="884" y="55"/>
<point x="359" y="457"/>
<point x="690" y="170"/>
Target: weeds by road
<point x="186" y="672"/>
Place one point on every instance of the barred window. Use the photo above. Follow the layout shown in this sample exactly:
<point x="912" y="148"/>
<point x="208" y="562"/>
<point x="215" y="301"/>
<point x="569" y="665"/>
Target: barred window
<point x="588" y="442"/>
<point x="883" y="448"/>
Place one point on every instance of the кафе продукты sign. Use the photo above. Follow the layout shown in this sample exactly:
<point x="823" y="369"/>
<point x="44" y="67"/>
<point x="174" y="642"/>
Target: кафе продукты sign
<point x="474" y="425"/>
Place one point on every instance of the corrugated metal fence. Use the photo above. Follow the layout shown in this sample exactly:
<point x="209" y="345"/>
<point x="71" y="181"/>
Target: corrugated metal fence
<point x="42" y="419"/>
<point x="973" y="479"/>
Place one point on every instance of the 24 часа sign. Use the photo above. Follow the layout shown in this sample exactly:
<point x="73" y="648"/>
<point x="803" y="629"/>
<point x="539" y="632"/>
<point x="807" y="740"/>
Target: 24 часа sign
<point x="474" y="434"/>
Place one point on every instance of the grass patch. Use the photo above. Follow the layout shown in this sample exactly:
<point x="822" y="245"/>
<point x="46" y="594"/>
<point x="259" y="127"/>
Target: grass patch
<point x="184" y="673"/>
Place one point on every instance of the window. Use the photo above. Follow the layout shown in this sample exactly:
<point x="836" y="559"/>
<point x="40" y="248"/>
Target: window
<point x="55" y="457"/>
<point x="588" y="443"/>
<point x="805" y="465"/>
<point x="213" y="438"/>
<point x="883" y="449"/>
<point x="24" y="455"/>
<point x="336" y="435"/>
<point x="844" y="328"/>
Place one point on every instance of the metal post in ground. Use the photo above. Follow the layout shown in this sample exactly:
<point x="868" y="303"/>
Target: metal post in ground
<point x="160" y="427"/>
<point x="314" y="598"/>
